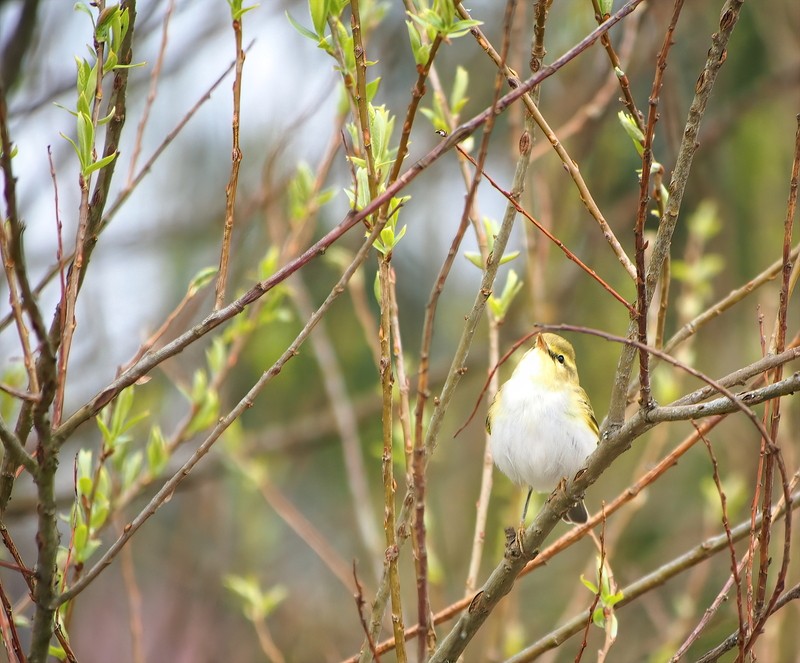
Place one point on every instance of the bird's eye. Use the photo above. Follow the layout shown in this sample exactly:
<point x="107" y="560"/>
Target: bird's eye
<point x="560" y="359"/>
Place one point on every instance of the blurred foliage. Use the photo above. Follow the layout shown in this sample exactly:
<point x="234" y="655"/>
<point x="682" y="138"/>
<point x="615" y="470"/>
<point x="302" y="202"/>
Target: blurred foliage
<point x="218" y="558"/>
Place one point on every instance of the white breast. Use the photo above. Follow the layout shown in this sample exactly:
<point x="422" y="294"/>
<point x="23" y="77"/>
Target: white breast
<point x="533" y="442"/>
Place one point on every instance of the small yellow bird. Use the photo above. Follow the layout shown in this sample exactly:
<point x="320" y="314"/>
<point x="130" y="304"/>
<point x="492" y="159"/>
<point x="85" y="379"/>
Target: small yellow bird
<point x="541" y="423"/>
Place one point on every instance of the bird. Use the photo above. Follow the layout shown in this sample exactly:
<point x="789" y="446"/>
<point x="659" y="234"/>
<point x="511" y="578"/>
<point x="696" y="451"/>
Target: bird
<point x="541" y="424"/>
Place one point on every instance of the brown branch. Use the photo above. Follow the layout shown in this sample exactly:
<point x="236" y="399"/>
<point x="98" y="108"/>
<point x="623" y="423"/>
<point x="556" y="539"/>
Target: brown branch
<point x="616" y="64"/>
<point x="593" y="109"/>
<point x="638" y="588"/>
<point x="360" y="55"/>
<point x="569" y="254"/>
<point x="569" y="164"/>
<point x="773" y="453"/>
<point x="360" y="603"/>
<point x="337" y="392"/>
<point x="10" y="636"/>
<point x="155" y="75"/>
<point x="131" y="185"/>
<point x="661" y="246"/>
<point x="387" y="459"/>
<point x="642" y="299"/>
<point x="19" y="42"/>
<point x="170" y="486"/>
<point x="721" y="597"/>
<point x="151" y="360"/>
<point x="726" y="524"/>
<point x="236" y="159"/>
<point x="13" y="250"/>
<point x="730" y="642"/>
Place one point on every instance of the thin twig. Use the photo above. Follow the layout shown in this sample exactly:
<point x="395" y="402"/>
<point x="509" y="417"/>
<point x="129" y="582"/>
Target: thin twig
<point x="360" y="603"/>
<point x="616" y="64"/>
<point x="133" y="596"/>
<point x="569" y="164"/>
<point x="569" y="254"/>
<point x="642" y="299"/>
<point x="130" y="186"/>
<point x="10" y="636"/>
<point x="236" y="160"/>
<point x="721" y="597"/>
<point x="773" y="453"/>
<point x="726" y="524"/>
<point x="593" y="109"/>
<point x="151" y="360"/>
<point x="155" y="75"/>
<point x="169" y="486"/>
<point x="13" y="254"/>
<point x="713" y="655"/>
<point x="680" y="176"/>
<point x="337" y="392"/>
<point x="638" y="588"/>
<point x="387" y="460"/>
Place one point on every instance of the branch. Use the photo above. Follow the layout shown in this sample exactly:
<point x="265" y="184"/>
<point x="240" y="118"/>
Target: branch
<point x="656" y="578"/>
<point x="569" y="164"/>
<point x="236" y="160"/>
<point x="613" y="445"/>
<point x="171" y="485"/>
<point x="642" y="300"/>
<point x="683" y="166"/>
<point x="151" y="360"/>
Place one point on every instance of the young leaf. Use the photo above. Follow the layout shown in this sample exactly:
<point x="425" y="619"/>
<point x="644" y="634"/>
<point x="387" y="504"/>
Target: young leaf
<point x="319" y="14"/>
<point x="302" y="30"/>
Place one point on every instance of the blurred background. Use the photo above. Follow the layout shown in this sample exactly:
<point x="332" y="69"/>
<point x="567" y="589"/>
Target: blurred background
<point x="242" y="523"/>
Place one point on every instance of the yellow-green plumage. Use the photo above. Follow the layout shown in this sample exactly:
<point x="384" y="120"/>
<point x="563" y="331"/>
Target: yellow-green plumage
<point x="541" y="422"/>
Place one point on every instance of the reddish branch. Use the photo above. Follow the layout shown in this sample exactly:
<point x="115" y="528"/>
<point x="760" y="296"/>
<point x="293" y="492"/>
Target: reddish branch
<point x="236" y="159"/>
<point x="644" y="199"/>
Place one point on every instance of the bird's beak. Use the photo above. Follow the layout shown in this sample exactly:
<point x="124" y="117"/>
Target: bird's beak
<point x="540" y="342"/>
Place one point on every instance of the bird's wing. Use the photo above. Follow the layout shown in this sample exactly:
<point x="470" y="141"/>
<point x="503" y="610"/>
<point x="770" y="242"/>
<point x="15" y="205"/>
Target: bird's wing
<point x="490" y="413"/>
<point x="586" y="406"/>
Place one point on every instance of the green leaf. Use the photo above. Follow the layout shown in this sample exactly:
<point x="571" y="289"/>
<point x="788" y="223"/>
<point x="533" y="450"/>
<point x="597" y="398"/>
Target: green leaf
<point x="100" y="512"/>
<point x="461" y="28"/>
<point x="589" y="584"/>
<point x="200" y="280"/>
<point x="84" y="486"/>
<point x="85" y="140"/>
<point x="302" y="30"/>
<point x="104" y="431"/>
<point x="80" y="538"/>
<point x="458" y="96"/>
<point x="631" y="128"/>
<point x="474" y="258"/>
<point x="107" y="118"/>
<point x="57" y="652"/>
<point x="82" y="7"/>
<point x="217" y="355"/>
<point x="372" y="88"/>
<point x="605" y="7"/>
<point x="122" y="408"/>
<point x="83" y="463"/>
<point x="102" y="163"/>
<point x="104" y="22"/>
<point x="319" y="9"/>
<point x="508" y="257"/>
<point x="157" y="453"/>
<point x="131" y="468"/>
<point x="111" y="62"/>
